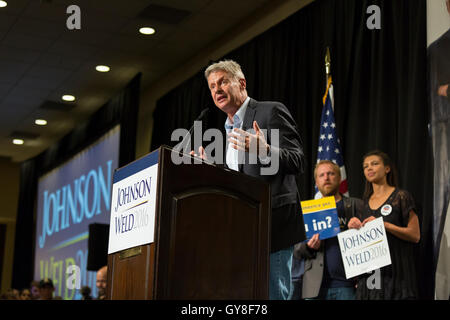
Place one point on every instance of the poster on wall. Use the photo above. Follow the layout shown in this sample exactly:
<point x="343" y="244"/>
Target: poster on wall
<point x="438" y="40"/>
<point x="69" y="198"/>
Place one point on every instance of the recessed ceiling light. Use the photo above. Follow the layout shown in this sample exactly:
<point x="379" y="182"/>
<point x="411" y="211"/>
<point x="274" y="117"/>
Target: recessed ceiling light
<point x="68" y="97"/>
<point x="40" y="122"/>
<point x="147" y="30"/>
<point x="3" y="4"/>
<point x="18" y="141"/>
<point x="102" y="68"/>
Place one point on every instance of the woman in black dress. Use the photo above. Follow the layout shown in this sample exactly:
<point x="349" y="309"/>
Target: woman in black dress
<point x="382" y="198"/>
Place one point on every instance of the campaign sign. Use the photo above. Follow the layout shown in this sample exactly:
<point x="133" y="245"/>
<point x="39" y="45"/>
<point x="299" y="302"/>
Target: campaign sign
<point x="70" y="198"/>
<point x="320" y="216"/>
<point x="364" y="250"/>
<point x="133" y="204"/>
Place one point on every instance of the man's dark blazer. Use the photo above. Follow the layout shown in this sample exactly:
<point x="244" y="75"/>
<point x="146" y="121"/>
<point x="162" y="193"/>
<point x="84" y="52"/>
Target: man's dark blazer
<point x="287" y="227"/>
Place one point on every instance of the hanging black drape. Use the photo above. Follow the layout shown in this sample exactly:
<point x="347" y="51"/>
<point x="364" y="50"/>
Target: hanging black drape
<point x="379" y="81"/>
<point x="123" y="110"/>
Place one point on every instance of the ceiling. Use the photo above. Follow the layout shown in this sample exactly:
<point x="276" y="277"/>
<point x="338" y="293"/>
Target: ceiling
<point x="41" y="59"/>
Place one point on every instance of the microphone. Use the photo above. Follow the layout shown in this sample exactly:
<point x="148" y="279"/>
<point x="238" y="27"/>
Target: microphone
<point x="202" y="114"/>
<point x="199" y="118"/>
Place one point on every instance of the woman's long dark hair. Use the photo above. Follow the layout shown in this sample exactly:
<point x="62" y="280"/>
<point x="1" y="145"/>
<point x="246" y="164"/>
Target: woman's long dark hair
<point x="391" y="177"/>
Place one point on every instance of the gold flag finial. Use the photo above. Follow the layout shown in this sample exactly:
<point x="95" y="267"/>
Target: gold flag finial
<point x="328" y="62"/>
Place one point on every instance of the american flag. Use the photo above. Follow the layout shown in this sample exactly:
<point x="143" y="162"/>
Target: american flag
<point x="329" y="145"/>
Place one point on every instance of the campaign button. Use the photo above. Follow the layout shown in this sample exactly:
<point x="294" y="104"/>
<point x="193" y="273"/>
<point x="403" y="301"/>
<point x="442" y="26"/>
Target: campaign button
<point x="386" y="210"/>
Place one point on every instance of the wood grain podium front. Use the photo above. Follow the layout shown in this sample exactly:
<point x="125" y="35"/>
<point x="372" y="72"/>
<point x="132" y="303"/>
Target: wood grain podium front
<point x="212" y="238"/>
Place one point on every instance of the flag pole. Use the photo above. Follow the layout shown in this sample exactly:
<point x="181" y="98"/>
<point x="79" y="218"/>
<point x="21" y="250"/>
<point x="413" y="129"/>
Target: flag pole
<point x="328" y="75"/>
<point x="328" y="64"/>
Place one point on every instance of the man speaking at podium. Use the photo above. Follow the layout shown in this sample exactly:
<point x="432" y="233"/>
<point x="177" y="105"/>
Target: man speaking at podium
<point x="277" y="158"/>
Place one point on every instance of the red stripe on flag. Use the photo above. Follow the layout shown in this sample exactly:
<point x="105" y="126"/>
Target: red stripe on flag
<point x="343" y="188"/>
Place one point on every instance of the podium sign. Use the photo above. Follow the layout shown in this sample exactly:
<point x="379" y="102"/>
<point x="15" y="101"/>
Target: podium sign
<point x="133" y="204"/>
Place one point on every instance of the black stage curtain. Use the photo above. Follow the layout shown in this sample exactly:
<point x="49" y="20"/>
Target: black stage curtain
<point x="379" y="81"/>
<point x="122" y="109"/>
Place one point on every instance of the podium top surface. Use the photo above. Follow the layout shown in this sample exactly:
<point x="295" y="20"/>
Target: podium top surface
<point x="153" y="158"/>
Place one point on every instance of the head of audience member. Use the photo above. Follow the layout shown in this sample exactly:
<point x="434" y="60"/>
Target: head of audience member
<point x="227" y="85"/>
<point x="448" y="6"/>
<point x="25" y="294"/>
<point x="10" y="294"/>
<point x="86" y="293"/>
<point x="378" y="169"/>
<point x="34" y="288"/>
<point x="101" y="282"/>
<point x="46" y="289"/>
<point x="327" y="176"/>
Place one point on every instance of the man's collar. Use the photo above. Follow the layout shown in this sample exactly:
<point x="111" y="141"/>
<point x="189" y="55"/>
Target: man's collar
<point x="238" y="116"/>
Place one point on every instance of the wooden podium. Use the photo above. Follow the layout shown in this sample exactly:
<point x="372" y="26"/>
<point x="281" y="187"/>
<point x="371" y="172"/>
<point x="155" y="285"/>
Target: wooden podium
<point x="211" y="240"/>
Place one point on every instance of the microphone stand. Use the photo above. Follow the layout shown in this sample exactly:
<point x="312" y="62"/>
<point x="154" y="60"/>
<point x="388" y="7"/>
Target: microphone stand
<point x="189" y="134"/>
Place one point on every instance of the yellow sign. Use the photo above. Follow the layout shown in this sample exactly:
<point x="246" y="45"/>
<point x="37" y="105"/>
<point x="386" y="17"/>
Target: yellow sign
<point x="311" y="206"/>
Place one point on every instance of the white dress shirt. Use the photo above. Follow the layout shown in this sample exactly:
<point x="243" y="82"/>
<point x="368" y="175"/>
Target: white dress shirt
<point x="232" y="155"/>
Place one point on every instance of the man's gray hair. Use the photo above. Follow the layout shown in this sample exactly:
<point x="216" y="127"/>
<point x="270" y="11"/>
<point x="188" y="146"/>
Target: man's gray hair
<point x="229" y="66"/>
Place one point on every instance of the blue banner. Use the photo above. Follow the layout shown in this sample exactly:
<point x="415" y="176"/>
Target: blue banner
<point x="70" y="198"/>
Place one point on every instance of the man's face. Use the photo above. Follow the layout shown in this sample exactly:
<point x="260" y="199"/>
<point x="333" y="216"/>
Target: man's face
<point x="227" y="93"/>
<point x="101" y="281"/>
<point x="327" y="180"/>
